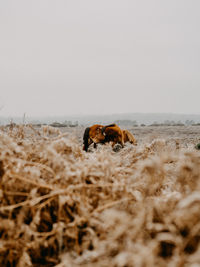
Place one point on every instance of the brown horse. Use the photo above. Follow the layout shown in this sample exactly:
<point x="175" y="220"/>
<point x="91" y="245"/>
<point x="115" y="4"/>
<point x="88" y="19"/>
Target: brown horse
<point x="102" y="134"/>
<point x="105" y="134"/>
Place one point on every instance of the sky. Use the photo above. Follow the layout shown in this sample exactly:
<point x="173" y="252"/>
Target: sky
<point x="68" y="57"/>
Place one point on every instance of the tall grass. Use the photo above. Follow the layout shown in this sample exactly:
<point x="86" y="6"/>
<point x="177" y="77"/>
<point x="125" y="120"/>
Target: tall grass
<point x="61" y="206"/>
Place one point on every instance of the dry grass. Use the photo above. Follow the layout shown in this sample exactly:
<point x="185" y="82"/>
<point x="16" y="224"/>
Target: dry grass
<point x="60" y="206"/>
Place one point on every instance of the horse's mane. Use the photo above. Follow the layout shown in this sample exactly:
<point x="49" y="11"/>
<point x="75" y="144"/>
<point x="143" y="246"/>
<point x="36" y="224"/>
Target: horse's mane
<point x="110" y="125"/>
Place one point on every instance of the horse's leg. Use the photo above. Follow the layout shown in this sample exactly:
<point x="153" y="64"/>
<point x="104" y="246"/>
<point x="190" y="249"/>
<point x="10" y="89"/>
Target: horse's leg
<point x="113" y="143"/>
<point x="122" y="143"/>
<point x="89" y="143"/>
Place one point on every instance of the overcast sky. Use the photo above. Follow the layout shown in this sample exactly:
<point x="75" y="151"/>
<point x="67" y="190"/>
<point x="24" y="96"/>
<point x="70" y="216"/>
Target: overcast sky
<point x="63" y="57"/>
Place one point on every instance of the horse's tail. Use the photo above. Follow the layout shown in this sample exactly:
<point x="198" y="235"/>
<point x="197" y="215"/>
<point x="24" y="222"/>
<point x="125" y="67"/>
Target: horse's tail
<point x="129" y="137"/>
<point x="85" y="139"/>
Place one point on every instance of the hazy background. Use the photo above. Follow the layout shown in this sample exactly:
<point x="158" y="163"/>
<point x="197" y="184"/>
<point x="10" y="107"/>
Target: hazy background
<point x="99" y="57"/>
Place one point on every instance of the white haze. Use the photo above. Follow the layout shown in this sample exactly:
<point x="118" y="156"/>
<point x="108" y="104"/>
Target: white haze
<point x="98" y="57"/>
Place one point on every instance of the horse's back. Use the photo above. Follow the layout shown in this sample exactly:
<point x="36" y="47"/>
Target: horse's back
<point x="113" y="133"/>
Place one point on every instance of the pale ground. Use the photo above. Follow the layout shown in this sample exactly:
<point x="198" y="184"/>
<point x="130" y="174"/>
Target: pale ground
<point x="61" y="206"/>
<point x="185" y="135"/>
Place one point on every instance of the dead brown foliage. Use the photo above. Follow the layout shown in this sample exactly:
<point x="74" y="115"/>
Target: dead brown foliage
<point x="60" y="206"/>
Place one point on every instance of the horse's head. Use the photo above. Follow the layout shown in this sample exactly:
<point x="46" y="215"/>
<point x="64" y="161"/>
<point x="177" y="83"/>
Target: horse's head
<point x="99" y="134"/>
<point x="96" y="133"/>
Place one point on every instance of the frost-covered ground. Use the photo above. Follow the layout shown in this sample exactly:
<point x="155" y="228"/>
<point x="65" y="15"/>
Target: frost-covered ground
<point x="61" y="206"/>
<point x="185" y="135"/>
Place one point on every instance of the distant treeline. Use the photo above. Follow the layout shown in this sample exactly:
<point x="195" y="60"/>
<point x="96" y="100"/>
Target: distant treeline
<point x="39" y="124"/>
<point x="165" y="123"/>
<point x="121" y="120"/>
<point x="132" y="119"/>
<point x="58" y="124"/>
<point x="65" y="124"/>
<point x="122" y="123"/>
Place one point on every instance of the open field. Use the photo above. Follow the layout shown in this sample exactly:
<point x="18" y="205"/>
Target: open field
<point x="185" y="135"/>
<point x="61" y="206"/>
